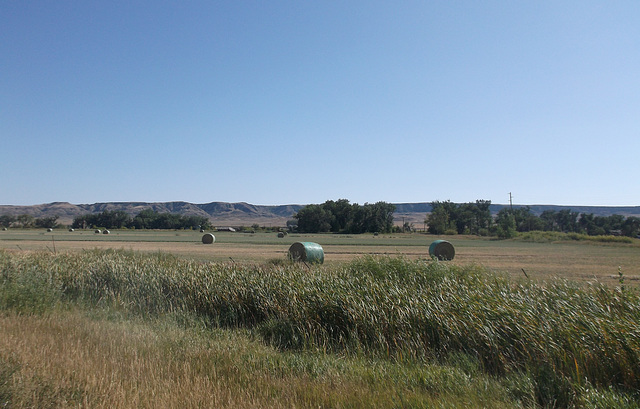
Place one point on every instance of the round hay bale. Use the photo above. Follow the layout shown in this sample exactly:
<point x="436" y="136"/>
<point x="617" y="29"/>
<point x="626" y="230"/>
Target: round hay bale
<point x="4" y="229"/>
<point x="49" y="229"/>
<point x="208" y="239"/>
<point x="106" y="231"/>
<point x="71" y="230"/>
<point x="281" y="235"/>
<point x="442" y="250"/>
<point x="306" y="251"/>
<point x="98" y="231"/>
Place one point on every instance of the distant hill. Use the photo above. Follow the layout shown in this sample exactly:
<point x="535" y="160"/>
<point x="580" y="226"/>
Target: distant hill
<point x="221" y="213"/>
<point x="245" y="214"/>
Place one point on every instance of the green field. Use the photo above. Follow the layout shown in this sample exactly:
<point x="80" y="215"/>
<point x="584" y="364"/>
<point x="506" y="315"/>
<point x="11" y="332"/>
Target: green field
<point x="577" y="260"/>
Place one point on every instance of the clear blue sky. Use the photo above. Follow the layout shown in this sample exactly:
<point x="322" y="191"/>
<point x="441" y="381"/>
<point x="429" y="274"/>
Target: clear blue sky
<point x="279" y="102"/>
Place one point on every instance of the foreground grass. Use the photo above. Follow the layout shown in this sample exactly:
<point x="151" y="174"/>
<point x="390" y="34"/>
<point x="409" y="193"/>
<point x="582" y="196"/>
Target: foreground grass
<point x="68" y="359"/>
<point x="378" y="332"/>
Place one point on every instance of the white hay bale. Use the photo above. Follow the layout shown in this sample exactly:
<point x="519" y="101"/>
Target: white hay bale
<point x="208" y="238"/>
<point x="106" y="231"/>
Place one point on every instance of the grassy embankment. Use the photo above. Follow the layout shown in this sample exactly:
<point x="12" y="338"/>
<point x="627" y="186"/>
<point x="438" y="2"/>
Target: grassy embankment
<point x="123" y="329"/>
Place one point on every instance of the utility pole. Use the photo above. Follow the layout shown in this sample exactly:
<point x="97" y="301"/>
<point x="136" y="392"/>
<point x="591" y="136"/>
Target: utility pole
<point x="510" y="202"/>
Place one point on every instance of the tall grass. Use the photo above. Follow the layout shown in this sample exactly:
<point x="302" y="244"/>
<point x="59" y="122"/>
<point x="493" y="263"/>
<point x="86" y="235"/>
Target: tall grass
<point x="566" y="338"/>
<point x="72" y="359"/>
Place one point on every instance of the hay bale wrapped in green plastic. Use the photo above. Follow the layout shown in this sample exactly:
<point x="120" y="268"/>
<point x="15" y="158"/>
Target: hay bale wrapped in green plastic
<point x="306" y="251"/>
<point x="208" y="239"/>
<point x="442" y="250"/>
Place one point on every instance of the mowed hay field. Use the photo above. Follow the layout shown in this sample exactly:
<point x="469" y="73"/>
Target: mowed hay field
<point x="574" y="260"/>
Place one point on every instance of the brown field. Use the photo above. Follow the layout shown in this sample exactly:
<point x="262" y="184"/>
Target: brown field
<point x="583" y="261"/>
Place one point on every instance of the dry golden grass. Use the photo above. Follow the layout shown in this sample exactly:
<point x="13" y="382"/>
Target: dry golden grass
<point x="67" y="360"/>
<point x="70" y="361"/>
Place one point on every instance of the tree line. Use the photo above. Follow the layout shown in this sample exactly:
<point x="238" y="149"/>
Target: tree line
<point x="340" y="216"/>
<point x="343" y="217"/>
<point x="475" y="218"/>
<point x="146" y="219"/>
<point x="27" y="221"/>
<point x="116" y="219"/>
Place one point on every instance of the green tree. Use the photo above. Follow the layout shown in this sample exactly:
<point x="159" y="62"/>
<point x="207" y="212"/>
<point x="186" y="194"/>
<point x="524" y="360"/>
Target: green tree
<point x="145" y="219"/>
<point x="359" y="217"/>
<point x="82" y="222"/>
<point x="482" y="213"/>
<point x="115" y="219"/>
<point x="167" y="221"/>
<point x="615" y="222"/>
<point x="6" y="220"/>
<point x="50" y="222"/>
<point x="442" y="218"/>
<point x="465" y="219"/>
<point x="381" y="217"/>
<point x="25" y="220"/>
<point x="567" y="221"/>
<point x="313" y="219"/>
<point x="548" y="218"/>
<point x="506" y="224"/>
<point x="109" y="219"/>
<point x="589" y="225"/>
<point x="372" y="218"/>
<point x="526" y="220"/>
<point x="342" y="212"/>
<point x="341" y="217"/>
<point x="631" y="226"/>
<point x="196" y="222"/>
<point x="292" y="224"/>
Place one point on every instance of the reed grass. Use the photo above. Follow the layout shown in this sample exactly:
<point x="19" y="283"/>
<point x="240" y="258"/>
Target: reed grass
<point x="568" y="342"/>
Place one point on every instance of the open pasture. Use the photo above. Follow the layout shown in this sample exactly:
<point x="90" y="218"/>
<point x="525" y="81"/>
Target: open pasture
<point x="582" y="261"/>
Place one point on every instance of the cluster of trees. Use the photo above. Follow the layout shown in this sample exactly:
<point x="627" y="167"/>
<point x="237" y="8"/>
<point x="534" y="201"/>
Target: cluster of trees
<point x="343" y="217"/>
<point x="467" y="218"/>
<point x="567" y="221"/>
<point x="27" y="221"/>
<point x="146" y="219"/>
<point x="475" y="218"/>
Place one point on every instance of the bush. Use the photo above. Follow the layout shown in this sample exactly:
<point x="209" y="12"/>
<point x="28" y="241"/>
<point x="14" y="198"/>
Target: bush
<point x="551" y="236"/>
